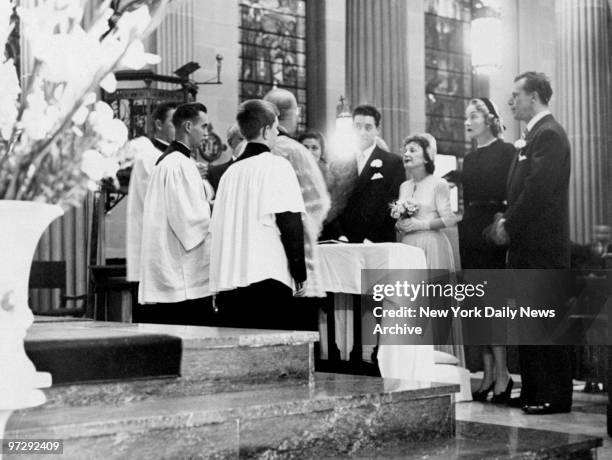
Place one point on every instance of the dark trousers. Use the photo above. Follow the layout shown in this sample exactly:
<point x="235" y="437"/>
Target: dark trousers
<point x="546" y="374"/>
<point x="546" y="370"/>
<point x="194" y="312"/>
<point x="268" y="304"/>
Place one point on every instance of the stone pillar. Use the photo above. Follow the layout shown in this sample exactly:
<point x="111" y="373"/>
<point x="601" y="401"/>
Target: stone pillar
<point x="377" y="70"/>
<point x="175" y="38"/>
<point x="583" y="108"/>
<point x="325" y="62"/>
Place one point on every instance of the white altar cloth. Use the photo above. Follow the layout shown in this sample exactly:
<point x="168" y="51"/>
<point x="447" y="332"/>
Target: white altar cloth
<point x="340" y="266"/>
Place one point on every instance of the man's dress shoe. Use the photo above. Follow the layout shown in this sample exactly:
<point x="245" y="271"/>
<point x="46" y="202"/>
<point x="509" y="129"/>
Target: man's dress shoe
<point x="515" y="402"/>
<point x="545" y="409"/>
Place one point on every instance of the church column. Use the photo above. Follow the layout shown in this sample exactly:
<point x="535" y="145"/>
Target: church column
<point x="175" y="38"/>
<point x="377" y="69"/>
<point x="325" y="62"/>
<point x="582" y="98"/>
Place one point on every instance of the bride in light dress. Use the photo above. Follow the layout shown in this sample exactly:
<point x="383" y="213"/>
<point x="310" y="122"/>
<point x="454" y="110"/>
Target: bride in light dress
<point x="431" y="197"/>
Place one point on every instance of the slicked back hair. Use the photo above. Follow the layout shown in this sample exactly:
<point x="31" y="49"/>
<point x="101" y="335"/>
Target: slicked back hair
<point x="161" y="111"/>
<point x="537" y="82"/>
<point x="254" y="115"/>
<point x="188" y="111"/>
<point x="368" y="110"/>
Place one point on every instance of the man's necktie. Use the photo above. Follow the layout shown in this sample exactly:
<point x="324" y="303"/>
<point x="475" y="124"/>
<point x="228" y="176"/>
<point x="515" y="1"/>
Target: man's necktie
<point x="361" y="162"/>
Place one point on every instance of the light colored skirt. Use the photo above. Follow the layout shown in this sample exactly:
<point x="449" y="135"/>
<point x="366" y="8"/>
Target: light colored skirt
<point x="439" y="256"/>
<point x="437" y="248"/>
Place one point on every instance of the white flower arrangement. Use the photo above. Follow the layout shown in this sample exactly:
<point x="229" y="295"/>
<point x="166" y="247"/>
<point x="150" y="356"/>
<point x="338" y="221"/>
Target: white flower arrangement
<point x="403" y="209"/>
<point x="520" y="144"/>
<point x="376" y="164"/>
<point x="56" y="141"/>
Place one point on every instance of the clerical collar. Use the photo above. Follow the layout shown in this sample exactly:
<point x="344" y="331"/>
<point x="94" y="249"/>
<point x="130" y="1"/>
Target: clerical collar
<point x="178" y="146"/>
<point x="160" y="144"/>
<point x="253" y="149"/>
<point x="175" y="146"/>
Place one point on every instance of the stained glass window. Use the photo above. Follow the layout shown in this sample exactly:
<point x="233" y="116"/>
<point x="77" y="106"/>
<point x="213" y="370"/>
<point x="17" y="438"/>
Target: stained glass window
<point x="273" y="49"/>
<point x="448" y="72"/>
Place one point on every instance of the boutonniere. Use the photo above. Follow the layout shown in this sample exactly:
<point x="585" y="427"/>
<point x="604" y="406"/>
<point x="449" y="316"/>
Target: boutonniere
<point x="376" y="164"/>
<point x="520" y="144"/>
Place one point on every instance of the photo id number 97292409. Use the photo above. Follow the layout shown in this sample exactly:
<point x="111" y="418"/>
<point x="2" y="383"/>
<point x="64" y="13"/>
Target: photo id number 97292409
<point x="32" y="446"/>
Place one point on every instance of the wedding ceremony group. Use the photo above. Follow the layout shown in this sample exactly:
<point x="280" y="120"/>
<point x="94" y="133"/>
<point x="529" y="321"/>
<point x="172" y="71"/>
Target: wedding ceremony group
<point x="223" y="223"/>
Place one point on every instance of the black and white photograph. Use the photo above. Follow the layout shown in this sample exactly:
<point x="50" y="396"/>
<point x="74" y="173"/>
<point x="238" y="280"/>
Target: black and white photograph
<point x="305" y="229"/>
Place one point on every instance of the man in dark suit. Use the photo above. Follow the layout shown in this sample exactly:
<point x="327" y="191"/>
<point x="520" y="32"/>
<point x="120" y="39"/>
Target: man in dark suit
<point x="536" y="225"/>
<point x="380" y="175"/>
<point x="236" y="143"/>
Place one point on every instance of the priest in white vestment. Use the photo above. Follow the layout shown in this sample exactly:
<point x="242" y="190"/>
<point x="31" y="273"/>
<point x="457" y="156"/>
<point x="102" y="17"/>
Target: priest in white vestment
<point x="175" y="242"/>
<point x="312" y="184"/>
<point x="144" y="161"/>
<point x="257" y="254"/>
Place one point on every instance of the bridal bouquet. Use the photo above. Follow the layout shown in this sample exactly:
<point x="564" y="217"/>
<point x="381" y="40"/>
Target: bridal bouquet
<point x="402" y="209"/>
<point x="56" y="140"/>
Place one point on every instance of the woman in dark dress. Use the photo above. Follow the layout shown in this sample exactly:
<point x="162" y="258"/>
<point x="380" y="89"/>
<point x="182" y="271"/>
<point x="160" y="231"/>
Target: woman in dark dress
<point x="483" y="177"/>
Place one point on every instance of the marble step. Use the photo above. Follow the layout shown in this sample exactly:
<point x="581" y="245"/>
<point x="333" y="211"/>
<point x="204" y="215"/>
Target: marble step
<point x="214" y="360"/>
<point x="490" y="442"/>
<point x="334" y="415"/>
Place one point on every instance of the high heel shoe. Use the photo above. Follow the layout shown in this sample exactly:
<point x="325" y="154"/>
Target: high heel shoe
<point x="481" y="395"/>
<point x="503" y="397"/>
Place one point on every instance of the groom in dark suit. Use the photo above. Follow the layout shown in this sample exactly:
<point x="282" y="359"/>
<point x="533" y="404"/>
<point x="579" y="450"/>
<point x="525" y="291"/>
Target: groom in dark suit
<point x="380" y="174"/>
<point x="536" y="225"/>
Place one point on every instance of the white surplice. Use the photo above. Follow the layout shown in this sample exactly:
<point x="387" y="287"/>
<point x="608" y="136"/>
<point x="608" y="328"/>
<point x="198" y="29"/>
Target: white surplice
<point x="175" y="238"/>
<point x="316" y="201"/>
<point x="144" y="162"/>
<point x="246" y="243"/>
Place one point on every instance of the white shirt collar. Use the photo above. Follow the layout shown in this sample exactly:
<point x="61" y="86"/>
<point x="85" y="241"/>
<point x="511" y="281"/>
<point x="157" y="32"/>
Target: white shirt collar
<point x="161" y="141"/>
<point x="365" y="154"/>
<point x="537" y="118"/>
<point x="362" y="157"/>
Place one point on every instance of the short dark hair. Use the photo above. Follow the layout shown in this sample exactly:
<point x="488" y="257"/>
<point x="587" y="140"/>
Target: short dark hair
<point x="368" y="110"/>
<point x="537" y="82"/>
<point x="254" y="115"/>
<point x="316" y="135"/>
<point x="430" y="166"/>
<point x="187" y="111"/>
<point x="161" y="111"/>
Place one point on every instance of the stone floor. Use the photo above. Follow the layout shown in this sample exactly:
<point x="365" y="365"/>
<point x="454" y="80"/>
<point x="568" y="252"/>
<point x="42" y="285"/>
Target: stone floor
<point x="587" y="417"/>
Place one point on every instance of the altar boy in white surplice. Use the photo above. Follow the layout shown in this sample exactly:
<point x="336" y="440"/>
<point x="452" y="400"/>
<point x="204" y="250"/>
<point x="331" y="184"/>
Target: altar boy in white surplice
<point x="144" y="163"/>
<point x="257" y="253"/>
<point x="176" y="218"/>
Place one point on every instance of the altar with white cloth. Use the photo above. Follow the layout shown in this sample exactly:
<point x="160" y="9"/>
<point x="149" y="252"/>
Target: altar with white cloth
<point x="340" y="268"/>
